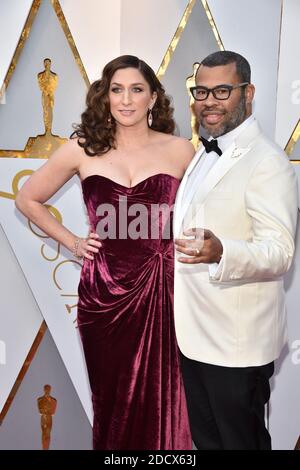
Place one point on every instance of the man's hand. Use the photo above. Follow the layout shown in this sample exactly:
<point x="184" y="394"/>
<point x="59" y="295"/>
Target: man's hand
<point x="211" y="248"/>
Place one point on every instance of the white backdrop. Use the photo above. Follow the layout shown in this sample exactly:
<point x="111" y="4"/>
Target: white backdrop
<point x="52" y="275"/>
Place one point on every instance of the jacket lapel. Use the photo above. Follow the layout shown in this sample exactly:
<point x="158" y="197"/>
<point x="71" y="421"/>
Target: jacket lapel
<point x="235" y="152"/>
<point x="180" y="202"/>
<point x="229" y="158"/>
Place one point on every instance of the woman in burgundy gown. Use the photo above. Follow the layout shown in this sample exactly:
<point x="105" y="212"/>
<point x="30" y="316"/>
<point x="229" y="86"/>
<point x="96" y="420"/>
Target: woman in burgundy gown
<point x="125" y="316"/>
<point x="125" y="308"/>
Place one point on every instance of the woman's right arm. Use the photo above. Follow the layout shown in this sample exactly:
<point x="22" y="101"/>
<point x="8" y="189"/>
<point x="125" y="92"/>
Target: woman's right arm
<point x="42" y="185"/>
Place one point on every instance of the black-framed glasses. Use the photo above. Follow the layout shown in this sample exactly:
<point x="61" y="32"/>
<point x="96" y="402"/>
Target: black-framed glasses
<point x="220" y="92"/>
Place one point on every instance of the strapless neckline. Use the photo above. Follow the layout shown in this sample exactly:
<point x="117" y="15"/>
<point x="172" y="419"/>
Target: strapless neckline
<point x="129" y="187"/>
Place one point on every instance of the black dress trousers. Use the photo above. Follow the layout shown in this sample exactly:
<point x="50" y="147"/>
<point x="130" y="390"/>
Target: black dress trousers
<point x="226" y="405"/>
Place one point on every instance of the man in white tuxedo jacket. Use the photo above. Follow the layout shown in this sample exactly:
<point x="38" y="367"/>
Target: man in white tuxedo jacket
<point x="229" y="298"/>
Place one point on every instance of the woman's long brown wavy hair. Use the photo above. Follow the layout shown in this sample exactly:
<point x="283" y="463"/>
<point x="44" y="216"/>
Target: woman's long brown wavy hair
<point x="97" y="130"/>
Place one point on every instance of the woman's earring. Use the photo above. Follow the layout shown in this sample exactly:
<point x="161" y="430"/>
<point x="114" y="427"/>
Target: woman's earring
<point x="109" y="120"/>
<point x="150" y="118"/>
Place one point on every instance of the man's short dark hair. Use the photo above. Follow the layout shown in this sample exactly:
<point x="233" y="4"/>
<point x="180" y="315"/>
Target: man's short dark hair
<point x="228" y="57"/>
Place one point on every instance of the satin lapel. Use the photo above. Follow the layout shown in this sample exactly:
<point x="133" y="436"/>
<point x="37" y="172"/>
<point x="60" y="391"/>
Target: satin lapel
<point x="180" y="203"/>
<point x="229" y="158"/>
<point x="242" y="145"/>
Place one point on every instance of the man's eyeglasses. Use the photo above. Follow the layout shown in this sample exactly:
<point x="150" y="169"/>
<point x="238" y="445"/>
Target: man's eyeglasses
<point x="220" y="92"/>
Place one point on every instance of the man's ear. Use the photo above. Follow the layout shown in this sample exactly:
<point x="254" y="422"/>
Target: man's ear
<point x="249" y="93"/>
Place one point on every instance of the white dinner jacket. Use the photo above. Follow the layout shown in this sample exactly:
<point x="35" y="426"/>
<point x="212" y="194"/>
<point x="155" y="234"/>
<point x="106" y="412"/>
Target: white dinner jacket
<point x="249" y="200"/>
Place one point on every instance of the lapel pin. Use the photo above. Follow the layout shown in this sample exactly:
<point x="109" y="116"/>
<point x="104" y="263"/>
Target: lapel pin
<point x="238" y="152"/>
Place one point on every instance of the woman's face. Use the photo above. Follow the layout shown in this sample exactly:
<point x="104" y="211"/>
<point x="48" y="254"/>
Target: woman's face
<point x="130" y="97"/>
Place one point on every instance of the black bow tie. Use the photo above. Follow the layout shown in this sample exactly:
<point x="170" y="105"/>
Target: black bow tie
<point x="211" y="146"/>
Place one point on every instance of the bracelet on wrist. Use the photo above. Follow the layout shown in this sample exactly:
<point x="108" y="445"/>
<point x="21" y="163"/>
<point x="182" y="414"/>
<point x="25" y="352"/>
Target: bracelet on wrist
<point x="76" y="248"/>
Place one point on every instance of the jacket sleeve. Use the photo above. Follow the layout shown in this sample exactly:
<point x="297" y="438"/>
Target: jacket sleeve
<point x="271" y="200"/>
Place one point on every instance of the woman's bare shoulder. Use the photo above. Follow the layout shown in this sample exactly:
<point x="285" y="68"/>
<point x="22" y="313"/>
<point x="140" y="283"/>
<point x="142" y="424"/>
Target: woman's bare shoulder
<point x="69" y="151"/>
<point x="174" y="140"/>
<point x="71" y="145"/>
<point x="183" y="143"/>
<point x="182" y="149"/>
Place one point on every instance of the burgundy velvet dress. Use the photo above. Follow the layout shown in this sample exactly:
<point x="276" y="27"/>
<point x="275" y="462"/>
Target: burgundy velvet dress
<point x="125" y="319"/>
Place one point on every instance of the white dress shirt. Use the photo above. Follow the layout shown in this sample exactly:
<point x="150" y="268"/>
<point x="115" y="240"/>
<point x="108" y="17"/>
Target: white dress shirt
<point x="201" y="170"/>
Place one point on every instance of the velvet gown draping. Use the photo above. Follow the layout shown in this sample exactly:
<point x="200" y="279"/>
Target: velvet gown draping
<point x="125" y="319"/>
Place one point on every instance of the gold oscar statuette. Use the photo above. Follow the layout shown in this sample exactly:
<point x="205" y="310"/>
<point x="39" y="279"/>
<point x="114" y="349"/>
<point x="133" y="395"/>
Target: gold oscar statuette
<point x="42" y="146"/>
<point x="190" y="81"/>
<point x="47" y="407"/>
<point x="48" y="81"/>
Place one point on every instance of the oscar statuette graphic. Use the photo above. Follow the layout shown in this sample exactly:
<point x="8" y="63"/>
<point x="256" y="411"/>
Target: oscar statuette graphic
<point x="47" y="407"/>
<point x="48" y="82"/>
<point x="42" y="146"/>
<point x="190" y="81"/>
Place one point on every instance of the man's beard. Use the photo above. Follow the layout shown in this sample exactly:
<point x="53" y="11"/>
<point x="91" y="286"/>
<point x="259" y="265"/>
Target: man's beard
<point x="234" y="119"/>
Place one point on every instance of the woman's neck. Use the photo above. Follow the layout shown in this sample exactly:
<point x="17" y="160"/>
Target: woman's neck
<point x="133" y="136"/>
